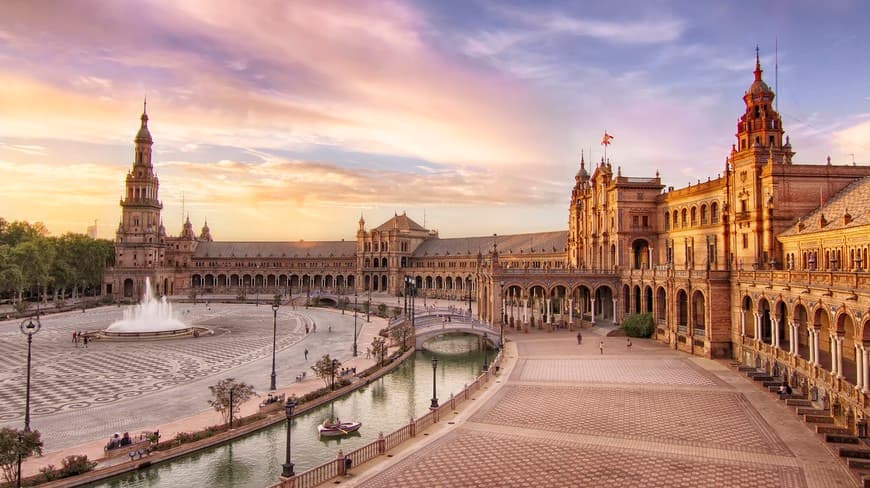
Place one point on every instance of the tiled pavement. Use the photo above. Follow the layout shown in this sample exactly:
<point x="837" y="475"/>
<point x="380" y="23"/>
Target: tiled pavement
<point x="569" y="416"/>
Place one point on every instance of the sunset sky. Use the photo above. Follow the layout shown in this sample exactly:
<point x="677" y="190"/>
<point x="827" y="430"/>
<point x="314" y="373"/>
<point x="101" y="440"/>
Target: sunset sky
<point x="289" y="120"/>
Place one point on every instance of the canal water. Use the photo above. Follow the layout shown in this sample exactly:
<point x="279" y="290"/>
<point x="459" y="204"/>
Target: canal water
<point x="382" y="406"/>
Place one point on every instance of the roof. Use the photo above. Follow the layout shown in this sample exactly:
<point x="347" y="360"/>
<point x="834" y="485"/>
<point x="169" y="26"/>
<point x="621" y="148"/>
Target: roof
<point x="402" y="222"/>
<point x="539" y="242"/>
<point x="854" y="199"/>
<point x="301" y="249"/>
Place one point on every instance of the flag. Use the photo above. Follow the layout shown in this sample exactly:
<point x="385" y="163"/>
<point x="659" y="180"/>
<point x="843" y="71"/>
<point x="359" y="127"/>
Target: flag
<point x="606" y="140"/>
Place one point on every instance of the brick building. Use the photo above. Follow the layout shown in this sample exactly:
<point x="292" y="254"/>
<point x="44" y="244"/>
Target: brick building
<point x="766" y="262"/>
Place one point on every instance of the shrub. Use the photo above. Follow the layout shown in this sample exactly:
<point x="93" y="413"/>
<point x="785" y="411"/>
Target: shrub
<point x="638" y="325"/>
<point x="76" y="465"/>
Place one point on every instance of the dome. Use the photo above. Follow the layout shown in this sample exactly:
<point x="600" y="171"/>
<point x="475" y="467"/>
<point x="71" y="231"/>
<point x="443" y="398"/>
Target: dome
<point x="758" y="86"/>
<point x="144" y="135"/>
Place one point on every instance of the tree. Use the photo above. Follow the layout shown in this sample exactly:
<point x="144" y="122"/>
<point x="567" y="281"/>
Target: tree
<point x="379" y="349"/>
<point x="326" y="368"/>
<point x="229" y="395"/>
<point x="400" y="335"/>
<point x="382" y="310"/>
<point x="14" y="443"/>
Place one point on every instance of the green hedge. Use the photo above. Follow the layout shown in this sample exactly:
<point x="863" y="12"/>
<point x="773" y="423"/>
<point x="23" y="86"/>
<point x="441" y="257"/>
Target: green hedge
<point x="638" y="325"/>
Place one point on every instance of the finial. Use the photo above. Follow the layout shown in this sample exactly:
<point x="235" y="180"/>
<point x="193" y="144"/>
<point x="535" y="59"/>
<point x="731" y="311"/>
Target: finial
<point x="145" y="105"/>
<point x="582" y="158"/>
<point x="757" y="64"/>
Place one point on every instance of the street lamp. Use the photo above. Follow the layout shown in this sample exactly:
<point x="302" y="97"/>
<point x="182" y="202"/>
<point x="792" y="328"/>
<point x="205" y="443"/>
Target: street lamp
<point x="333" y="368"/>
<point x="274" y="337"/>
<point x="468" y="286"/>
<point x="355" y="296"/>
<point x="369" y="308"/>
<point x="29" y="327"/>
<point x="503" y="316"/>
<point x="434" y="385"/>
<point x="288" y="411"/>
<point x="485" y="361"/>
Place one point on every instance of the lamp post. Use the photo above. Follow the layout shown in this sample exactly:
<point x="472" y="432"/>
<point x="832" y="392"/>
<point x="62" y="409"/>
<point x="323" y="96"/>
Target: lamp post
<point x="369" y="308"/>
<point x="29" y="327"/>
<point x="434" y="385"/>
<point x="355" y="297"/>
<point x="503" y="316"/>
<point x="468" y="286"/>
<point x="485" y="359"/>
<point x="274" y="337"/>
<point x="288" y="464"/>
<point x="332" y="370"/>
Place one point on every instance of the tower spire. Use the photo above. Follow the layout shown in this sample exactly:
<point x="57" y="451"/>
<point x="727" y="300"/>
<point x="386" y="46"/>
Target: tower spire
<point x="757" y="64"/>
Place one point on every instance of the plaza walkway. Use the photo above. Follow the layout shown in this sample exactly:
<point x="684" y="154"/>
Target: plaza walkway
<point x="81" y="396"/>
<point x="564" y="414"/>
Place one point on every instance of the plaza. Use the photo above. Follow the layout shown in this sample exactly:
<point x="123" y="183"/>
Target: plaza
<point x="565" y="415"/>
<point x="81" y="396"/>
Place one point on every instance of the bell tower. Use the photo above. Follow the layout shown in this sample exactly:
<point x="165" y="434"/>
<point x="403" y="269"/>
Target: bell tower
<point x="140" y="241"/>
<point x="577" y="231"/>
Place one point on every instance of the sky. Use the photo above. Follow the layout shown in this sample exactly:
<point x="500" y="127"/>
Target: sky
<point x="287" y="120"/>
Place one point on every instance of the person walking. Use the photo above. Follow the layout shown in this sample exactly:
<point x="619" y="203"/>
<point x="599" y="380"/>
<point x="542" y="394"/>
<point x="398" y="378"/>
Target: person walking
<point x="85" y="341"/>
<point x="306" y="328"/>
<point x="579" y="337"/>
<point x="306" y="354"/>
<point x="628" y="343"/>
<point x="601" y="347"/>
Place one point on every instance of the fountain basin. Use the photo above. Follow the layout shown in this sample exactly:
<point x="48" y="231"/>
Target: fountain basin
<point x="188" y="332"/>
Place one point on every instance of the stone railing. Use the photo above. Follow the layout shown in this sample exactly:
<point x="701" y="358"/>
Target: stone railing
<point x="845" y="280"/>
<point x="338" y="467"/>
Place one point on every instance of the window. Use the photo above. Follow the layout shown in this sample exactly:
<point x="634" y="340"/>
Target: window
<point x="703" y="215"/>
<point x="645" y="220"/>
<point x="694" y="216"/>
<point x="634" y="222"/>
<point x="667" y="220"/>
<point x="744" y="205"/>
<point x="745" y="241"/>
<point x="714" y="213"/>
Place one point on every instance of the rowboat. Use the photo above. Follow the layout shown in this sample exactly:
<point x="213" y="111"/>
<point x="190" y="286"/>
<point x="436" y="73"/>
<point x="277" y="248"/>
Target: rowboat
<point x="334" y="429"/>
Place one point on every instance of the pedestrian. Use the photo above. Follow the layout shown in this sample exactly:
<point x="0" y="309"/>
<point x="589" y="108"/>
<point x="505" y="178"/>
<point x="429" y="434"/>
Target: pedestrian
<point x="306" y="354"/>
<point x="330" y="328"/>
<point x="782" y="392"/>
<point x="75" y="336"/>
<point x="601" y="347"/>
<point x="86" y="342"/>
<point x="579" y="338"/>
<point x="306" y="328"/>
<point x="313" y="326"/>
<point x="628" y="343"/>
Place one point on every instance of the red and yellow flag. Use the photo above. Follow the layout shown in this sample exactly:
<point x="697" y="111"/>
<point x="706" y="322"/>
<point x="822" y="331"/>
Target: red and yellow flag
<point x="606" y="140"/>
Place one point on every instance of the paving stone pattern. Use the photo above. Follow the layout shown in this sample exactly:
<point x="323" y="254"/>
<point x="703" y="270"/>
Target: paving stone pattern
<point x="504" y="461"/>
<point x="655" y="415"/>
<point x="677" y="372"/>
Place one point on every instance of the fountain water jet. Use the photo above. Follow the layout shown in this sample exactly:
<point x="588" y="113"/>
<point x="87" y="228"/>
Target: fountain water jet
<point x="150" y="319"/>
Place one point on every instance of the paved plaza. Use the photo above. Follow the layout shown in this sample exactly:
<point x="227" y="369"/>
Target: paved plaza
<point x="80" y="395"/>
<point x="567" y="415"/>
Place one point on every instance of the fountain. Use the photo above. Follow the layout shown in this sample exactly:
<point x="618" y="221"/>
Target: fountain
<point x="150" y="319"/>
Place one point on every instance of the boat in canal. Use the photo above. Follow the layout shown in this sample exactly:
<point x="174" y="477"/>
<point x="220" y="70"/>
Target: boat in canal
<point x="335" y="429"/>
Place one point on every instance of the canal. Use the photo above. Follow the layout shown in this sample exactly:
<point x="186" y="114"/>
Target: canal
<point x="382" y="406"/>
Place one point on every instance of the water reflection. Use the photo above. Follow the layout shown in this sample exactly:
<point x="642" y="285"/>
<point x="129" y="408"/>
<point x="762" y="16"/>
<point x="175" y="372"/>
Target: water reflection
<point x="382" y="406"/>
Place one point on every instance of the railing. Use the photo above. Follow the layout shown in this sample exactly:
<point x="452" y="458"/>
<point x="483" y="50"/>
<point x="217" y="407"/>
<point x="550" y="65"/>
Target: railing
<point x="699" y="332"/>
<point x="845" y="280"/>
<point x="337" y="467"/>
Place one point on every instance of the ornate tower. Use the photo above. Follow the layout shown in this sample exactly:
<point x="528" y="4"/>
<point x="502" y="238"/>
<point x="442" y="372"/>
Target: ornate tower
<point x="140" y="241"/>
<point x="759" y="147"/>
<point x="576" y="217"/>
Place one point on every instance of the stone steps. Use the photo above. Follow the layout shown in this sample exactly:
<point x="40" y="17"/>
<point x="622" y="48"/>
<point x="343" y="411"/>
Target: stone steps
<point x="854" y="452"/>
<point x="842" y="439"/>
<point x="831" y="429"/>
<point x="818" y="419"/>
<point x="811" y="411"/>
<point x="798" y="402"/>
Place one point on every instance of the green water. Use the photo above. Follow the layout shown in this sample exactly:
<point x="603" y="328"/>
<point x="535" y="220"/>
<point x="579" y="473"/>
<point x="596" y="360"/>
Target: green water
<point x="382" y="406"/>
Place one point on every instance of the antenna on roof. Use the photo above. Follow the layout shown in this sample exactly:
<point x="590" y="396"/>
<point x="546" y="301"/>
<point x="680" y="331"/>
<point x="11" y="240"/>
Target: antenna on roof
<point x="776" y="75"/>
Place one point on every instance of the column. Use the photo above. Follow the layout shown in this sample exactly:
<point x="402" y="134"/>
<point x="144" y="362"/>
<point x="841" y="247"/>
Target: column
<point x="775" y="341"/>
<point x="650" y="257"/>
<point x="525" y="310"/>
<point x="793" y="338"/>
<point x="742" y="323"/>
<point x="593" y="309"/>
<point x="859" y="366"/>
<point x="833" y="347"/>
<point x="547" y="312"/>
<point x="757" y="326"/>
<point x="815" y="348"/>
<point x="570" y="312"/>
<point x="865" y="360"/>
<point x="839" y="342"/>
<point x="614" y="310"/>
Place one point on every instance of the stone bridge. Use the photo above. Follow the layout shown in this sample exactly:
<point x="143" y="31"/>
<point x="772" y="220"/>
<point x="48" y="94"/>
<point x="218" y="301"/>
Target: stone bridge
<point x="433" y="322"/>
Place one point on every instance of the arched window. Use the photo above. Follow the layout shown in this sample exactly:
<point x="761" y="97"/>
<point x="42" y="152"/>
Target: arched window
<point x="694" y="216"/>
<point x="704" y="214"/>
<point x="714" y="213"/>
<point x="683" y="218"/>
<point x="667" y="220"/>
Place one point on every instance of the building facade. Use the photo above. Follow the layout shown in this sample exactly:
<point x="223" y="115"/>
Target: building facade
<point x="765" y="263"/>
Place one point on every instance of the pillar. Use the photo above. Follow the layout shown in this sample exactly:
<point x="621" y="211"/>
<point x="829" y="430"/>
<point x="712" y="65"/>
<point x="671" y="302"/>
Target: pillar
<point x="547" y="312"/>
<point x="792" y="338"/>
<point x="525" y="309"/>
<point x="859" y="366"/>
<point x="833" y="347"/>
<point x="614" y="310"/>
<point x="650" y="252"/>
<point x="742" y="323"/>
<point x="593" y="309"/>
<point x="815" y="347"/>
<point x="839" y="342"/>
<point x="757" y="326"/>
<point x="570" y="311"/>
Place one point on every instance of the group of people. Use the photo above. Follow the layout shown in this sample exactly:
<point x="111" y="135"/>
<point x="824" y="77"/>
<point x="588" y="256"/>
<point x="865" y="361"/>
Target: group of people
<point x="345" y="371"/>
<point x="270" y="399"/>
<point x="118" y="440"/>
<point x="79" y="336"/>
<point x="601" y="343"/>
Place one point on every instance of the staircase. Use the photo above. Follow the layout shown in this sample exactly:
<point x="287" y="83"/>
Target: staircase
<point x="854" y="451"/>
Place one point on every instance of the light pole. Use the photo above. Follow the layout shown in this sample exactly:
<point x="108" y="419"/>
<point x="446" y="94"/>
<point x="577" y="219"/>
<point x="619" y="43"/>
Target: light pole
<point x="29" y="327"/>
<point x="274" y="337"/>
<point x="485" y="359"/>
<point x="333" y="368"/>
<point x="468" y="281"/>
<point x="369" y="308"/>
<point x="355" y="297"/>
<point x="288" y="464"/>
<point x="434" y="385"/>
<point x="503" y="316"/>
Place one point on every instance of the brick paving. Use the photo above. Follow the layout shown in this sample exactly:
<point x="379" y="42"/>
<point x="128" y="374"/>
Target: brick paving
<point x="650" y="417"/>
